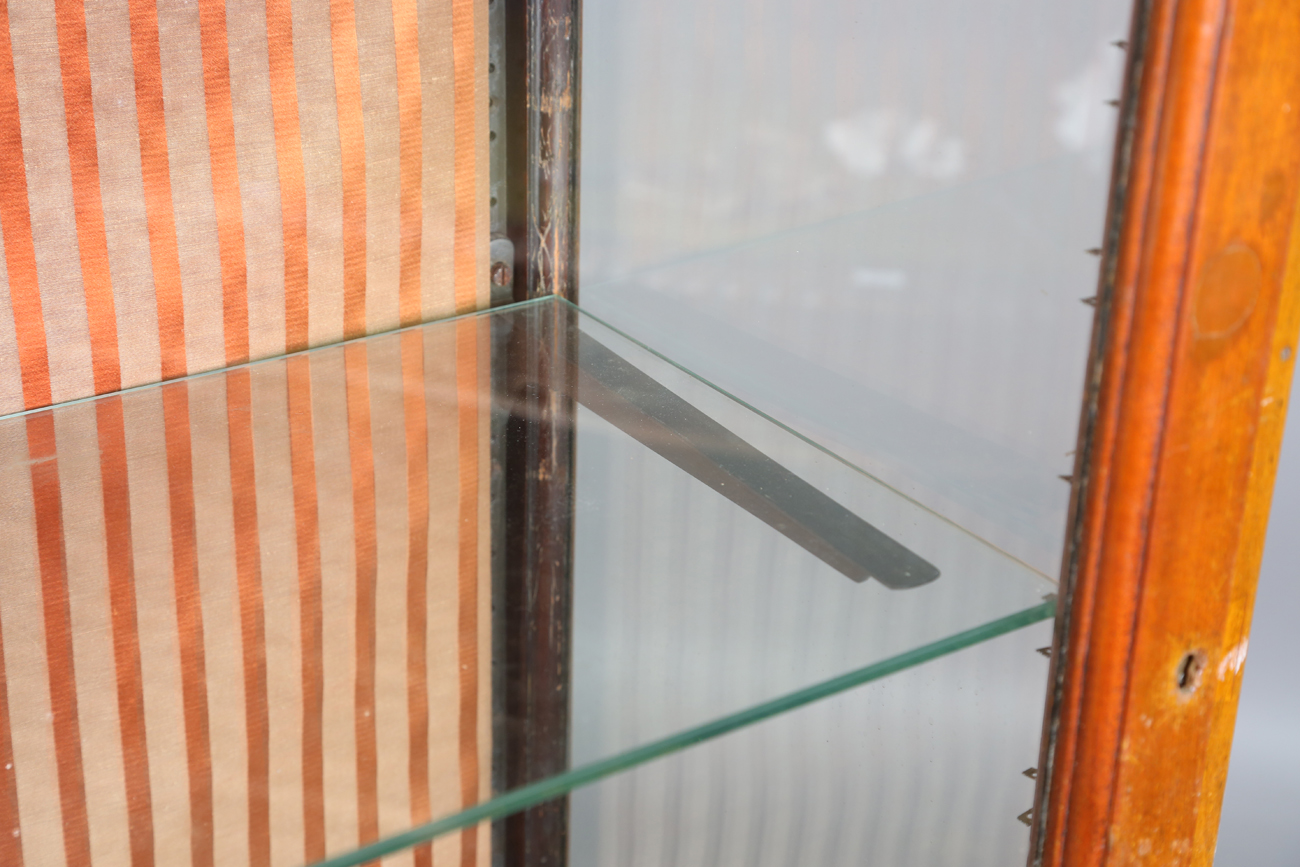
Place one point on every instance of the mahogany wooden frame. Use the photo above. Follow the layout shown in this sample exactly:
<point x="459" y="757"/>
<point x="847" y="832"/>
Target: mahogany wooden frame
<point x="1191" y="360"/>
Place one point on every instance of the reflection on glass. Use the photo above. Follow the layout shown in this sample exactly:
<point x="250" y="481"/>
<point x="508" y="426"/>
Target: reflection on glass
<point x="870" y="220"/>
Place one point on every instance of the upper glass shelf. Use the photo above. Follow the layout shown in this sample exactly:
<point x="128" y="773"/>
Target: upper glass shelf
<point x="433" y="577"/>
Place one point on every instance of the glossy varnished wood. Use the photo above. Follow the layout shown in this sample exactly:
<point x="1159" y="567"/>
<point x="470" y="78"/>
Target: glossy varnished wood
<point x="1234" y="641"/>
<point x="1192" y="356"/>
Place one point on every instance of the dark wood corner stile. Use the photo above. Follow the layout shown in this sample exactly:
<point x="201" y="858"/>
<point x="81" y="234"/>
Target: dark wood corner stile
<point x="539" y="55"/>
<point x="1192" y="356"/>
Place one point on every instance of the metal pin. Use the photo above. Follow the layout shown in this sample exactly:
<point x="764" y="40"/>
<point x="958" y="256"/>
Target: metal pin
<point x="1093" y="251"/>
<point x="1091" y="301"/>
<point x="1113" y="103"/>
<point x="1121" y="44"/>
<point x="1045" y="651"/>
<point x="1069" y="479"/>
<point x="1026" y="818"/>
<point x="1031" y="773"/>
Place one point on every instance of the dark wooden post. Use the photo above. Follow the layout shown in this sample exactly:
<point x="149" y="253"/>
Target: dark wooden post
<point x="543" y="63"/>
<point x="540" y="61"/>
<point x="536" y="593"/>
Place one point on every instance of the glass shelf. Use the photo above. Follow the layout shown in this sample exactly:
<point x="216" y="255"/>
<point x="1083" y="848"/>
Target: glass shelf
<point x="530" y="795"/>
<point x="321" y="600"/>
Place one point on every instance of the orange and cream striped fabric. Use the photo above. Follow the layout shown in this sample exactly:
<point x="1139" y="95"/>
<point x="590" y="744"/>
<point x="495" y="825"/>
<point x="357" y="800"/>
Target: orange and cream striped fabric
<point x="187" y="185"/>
<point x="245" y="617"/>
<point x="242" y="616"/>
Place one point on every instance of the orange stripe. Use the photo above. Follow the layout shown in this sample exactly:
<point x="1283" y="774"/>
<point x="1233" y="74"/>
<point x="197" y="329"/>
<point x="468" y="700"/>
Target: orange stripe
<point x="156" y="170"/>
<point x="11" y="844"/>
<point x="252" y="622"/>
<point x="87" y="202"/>
<point x="406" y="24"/>
<point x="293" y="182"/>
<point x="467" y="616"/>
<point x="466" y="153"/>
<point x="302" y="452"/>
<point x="361" y="452"/>
<point x="225" y="179"/>
<point x="189" y="619"/>
<point x="126" y="631"/>
<point x="58" y="637"/>
<point x="16" y="223"/>
<point x="352" y="146"/>
<point x="417" y="578"/>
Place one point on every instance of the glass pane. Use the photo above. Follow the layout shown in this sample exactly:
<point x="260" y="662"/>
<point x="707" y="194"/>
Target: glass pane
<point x="873" y="222"/>
<point x="938" y="342"/>
<point x="870" y="220"/>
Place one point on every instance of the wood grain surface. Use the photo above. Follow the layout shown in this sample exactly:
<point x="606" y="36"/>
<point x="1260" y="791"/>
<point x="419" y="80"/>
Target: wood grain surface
<point x="1192" y="357"/>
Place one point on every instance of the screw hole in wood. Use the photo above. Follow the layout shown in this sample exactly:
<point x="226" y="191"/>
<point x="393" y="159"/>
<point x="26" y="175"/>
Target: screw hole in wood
<point x="1189" y="671"/>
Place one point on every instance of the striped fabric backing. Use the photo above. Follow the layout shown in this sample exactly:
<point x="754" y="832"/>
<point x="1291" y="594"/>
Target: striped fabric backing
<point x="241" y="616"/>
<point x="188" y="185"/>
<point x="244" y="617"/>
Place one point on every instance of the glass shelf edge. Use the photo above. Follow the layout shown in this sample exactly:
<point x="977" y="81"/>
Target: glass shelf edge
<point x="553" y="787"/>
<point x="270" y="359"/>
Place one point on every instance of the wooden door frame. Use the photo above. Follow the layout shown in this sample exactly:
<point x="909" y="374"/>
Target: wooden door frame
<point x="1192" y="353"/>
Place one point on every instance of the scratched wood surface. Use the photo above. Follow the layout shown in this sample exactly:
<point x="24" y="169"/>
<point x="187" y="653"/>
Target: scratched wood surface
<point x="1191" y="363"/>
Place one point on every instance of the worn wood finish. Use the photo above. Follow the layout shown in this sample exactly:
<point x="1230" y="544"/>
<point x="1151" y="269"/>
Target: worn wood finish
<point x="1193" y="351"/>
<point x="543" y="71"/>
<point x="536" y="603"/>
<point x="538" y="210"/>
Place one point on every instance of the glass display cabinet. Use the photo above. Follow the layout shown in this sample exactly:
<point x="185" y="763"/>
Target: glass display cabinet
<point x="892" y="491"/>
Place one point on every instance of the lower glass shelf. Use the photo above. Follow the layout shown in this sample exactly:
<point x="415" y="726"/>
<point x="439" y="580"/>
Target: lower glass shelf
<point x="512" y="802"/>
<point x="297" y="611"/>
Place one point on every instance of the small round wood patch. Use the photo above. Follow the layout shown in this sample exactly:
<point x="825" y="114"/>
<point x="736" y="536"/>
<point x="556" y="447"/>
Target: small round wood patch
<point x="1227" y="291"/>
